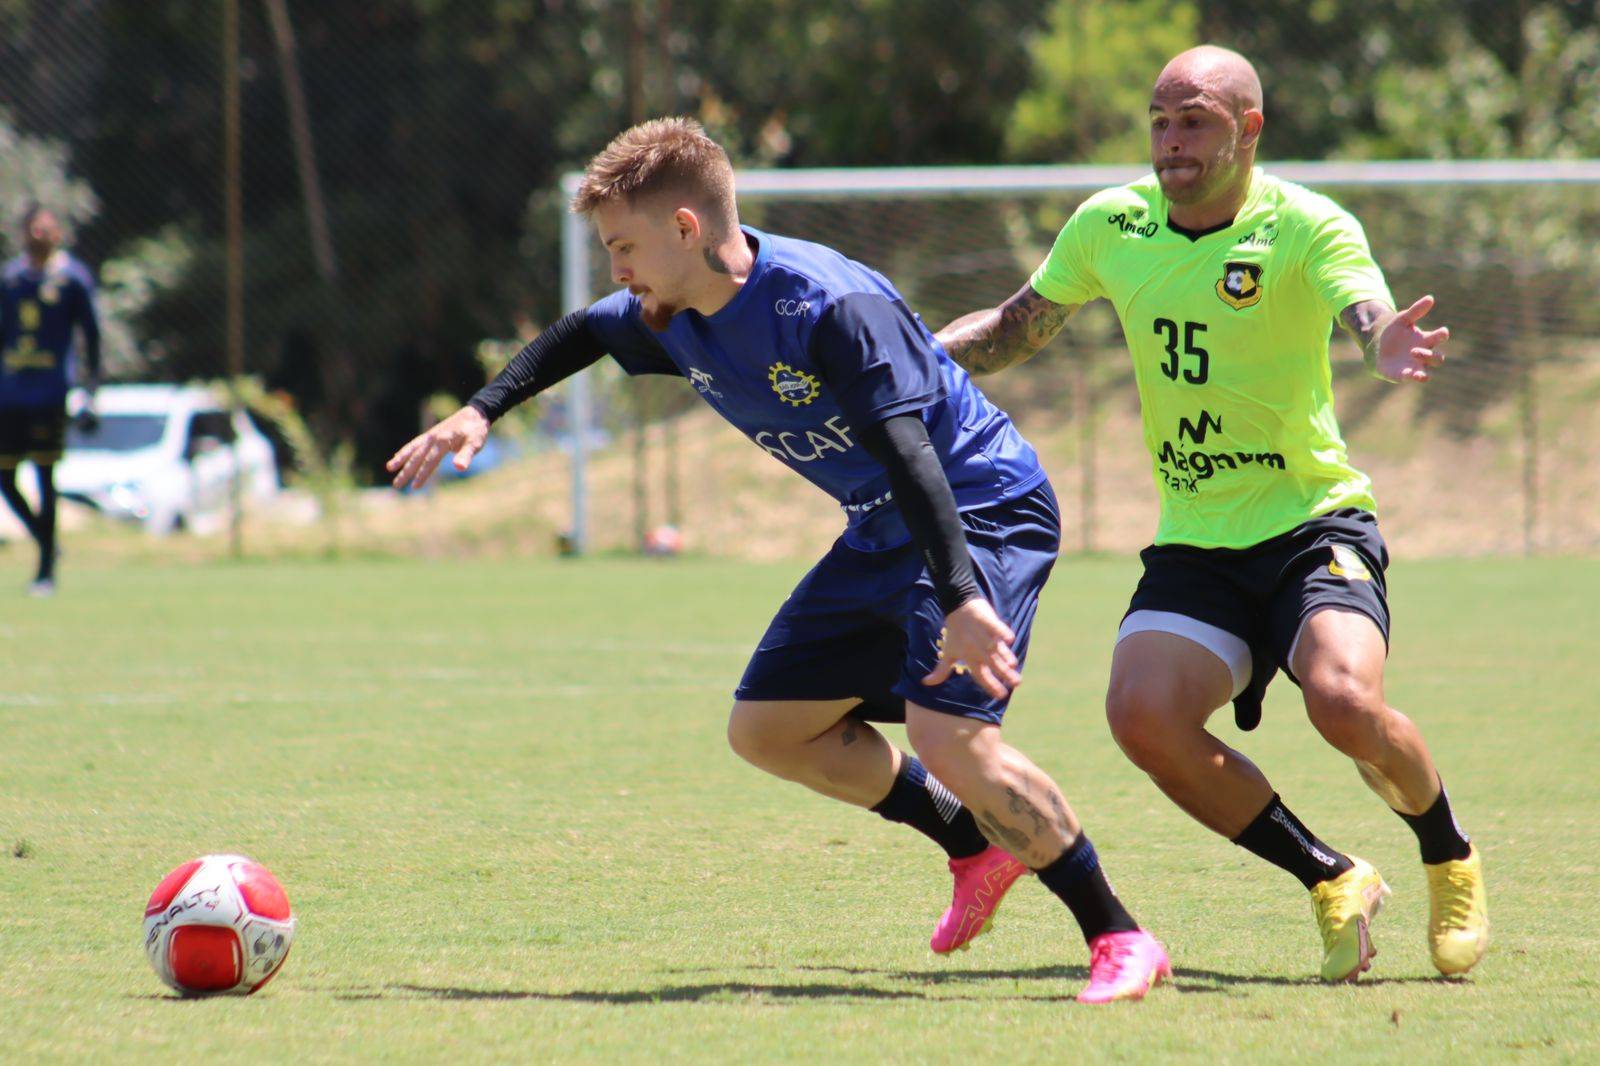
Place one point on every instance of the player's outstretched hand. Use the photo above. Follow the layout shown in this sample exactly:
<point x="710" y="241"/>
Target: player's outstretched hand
<point x="1406" y="353"/>
<point x="463" y="433"/>
<point x="976" y="640"/>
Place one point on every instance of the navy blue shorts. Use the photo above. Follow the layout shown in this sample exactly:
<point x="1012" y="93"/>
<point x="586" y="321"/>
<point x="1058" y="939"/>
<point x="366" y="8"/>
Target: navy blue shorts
<point x="35" y="433"/>
<point x="866" y="625"/>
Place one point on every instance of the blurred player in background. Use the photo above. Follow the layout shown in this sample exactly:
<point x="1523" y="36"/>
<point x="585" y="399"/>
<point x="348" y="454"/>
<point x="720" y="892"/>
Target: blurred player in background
<point x="921" y="611"/>
<point x="1268" y="554"/>
<point x="46" y="298"/>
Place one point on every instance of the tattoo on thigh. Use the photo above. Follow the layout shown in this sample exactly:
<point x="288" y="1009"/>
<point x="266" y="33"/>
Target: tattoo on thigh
<point x="849" y="736"/>
<point x="1001" y="835"/>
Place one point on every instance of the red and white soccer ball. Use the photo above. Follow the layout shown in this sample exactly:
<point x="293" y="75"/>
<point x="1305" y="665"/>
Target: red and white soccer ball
<point x="220" y="924"/>
<point x="663" y="540"/>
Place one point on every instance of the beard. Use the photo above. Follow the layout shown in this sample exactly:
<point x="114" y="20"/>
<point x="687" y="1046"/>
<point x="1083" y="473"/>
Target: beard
<point x="657" y="313"/>
<point x="1214" y="175"/>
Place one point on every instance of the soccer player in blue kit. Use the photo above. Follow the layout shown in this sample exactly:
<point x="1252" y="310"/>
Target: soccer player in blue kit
<point x="921" y="611"/>
<point x="46" y="297"/>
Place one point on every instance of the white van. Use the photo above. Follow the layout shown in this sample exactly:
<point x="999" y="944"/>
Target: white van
<point x="164" y="455"/>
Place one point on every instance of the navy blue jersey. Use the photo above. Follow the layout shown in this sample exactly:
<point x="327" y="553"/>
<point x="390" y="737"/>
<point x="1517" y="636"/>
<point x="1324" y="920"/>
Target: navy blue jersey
<point x="813" y="346"/>
<point x="39" y="313"/>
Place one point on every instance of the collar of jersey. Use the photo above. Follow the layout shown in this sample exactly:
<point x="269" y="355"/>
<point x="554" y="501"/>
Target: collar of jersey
<point x="1251" y="200"/>
<point x="730" y="310"/>
<point x="56" y="264"/>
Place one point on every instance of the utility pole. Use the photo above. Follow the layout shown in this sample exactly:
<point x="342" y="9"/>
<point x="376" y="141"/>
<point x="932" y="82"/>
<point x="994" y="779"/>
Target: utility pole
<point x="233" y="209"/>
<point x="305" y="150"/>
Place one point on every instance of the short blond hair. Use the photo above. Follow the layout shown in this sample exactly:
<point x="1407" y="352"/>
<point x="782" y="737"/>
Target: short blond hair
<point x="659" y="157"/>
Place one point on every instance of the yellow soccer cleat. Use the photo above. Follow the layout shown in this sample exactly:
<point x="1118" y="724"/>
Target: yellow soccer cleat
<point x="1458" y="914"/>
<point x="1345" y="908"/>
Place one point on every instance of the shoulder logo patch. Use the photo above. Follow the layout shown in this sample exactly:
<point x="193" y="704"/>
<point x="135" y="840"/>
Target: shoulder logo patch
<point x="1240" y="286"/>
<point x="1348" y="565"/>
<point x="794" y="387"/>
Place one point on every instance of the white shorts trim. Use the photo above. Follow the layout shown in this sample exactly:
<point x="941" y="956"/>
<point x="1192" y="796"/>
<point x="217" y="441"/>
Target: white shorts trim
<point x="1233" y="651"/>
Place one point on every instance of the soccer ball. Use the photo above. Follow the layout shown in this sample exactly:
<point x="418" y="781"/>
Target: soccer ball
<point x="663" y="540"/>
<point x="218" y="924"/>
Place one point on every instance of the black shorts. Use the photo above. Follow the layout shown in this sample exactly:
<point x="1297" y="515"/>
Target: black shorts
<point x="1264" y="593"/>
<point x="36" y="434"/>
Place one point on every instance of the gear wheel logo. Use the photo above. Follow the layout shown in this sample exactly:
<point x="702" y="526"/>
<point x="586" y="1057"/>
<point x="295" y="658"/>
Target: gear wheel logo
<point x="794" y="387"/>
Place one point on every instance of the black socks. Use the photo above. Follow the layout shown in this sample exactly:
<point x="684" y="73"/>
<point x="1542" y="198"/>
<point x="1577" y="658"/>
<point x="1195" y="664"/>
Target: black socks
<point x="1283" y="840"/>
<point x="1076" y="877"/>
<point x="919" y="800"/>
<point x="1438" y="834"/>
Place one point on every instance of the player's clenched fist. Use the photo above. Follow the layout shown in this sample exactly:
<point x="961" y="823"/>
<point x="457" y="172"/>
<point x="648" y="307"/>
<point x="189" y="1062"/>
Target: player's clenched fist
<point x="463" y="433"/>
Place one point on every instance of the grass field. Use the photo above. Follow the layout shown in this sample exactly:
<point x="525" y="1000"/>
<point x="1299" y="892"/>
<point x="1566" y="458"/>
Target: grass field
<point x="501" y="801"/>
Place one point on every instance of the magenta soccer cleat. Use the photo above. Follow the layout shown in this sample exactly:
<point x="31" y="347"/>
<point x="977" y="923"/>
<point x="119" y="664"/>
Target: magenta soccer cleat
<point x="981" y="883"/>
<point x="1124" y="966"/>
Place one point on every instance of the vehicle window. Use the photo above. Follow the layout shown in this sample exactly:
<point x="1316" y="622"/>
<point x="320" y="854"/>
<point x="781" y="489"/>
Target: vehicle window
<point x="208" y="426"/>
<point x="117" y="433"/>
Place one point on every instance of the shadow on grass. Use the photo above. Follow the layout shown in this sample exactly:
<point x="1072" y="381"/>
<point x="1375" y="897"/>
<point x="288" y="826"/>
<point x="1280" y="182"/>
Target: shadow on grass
<point x="1187" y="982"/>
<point x="624" y="997"/>
<point x="1185" y="979"/>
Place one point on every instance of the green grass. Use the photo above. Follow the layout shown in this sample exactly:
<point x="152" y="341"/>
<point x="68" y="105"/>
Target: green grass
<point x="501" y="801"/>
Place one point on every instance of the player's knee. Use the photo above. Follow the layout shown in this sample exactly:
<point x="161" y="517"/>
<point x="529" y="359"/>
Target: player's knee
<point x="955" y="756"/>
<point x="1141" y="718"/>
<point x="1347" y="709"/>
<point x="752" y="740"/>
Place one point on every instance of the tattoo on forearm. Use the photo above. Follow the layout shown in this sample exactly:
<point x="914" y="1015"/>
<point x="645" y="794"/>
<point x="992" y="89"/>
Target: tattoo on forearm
<point x="1010" y="333"/>
<point x="1366" y="320"/>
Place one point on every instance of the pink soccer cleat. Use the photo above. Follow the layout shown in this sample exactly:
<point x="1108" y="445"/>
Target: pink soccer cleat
<point x="1124" y="966"/>
<point x="981" y="883"/>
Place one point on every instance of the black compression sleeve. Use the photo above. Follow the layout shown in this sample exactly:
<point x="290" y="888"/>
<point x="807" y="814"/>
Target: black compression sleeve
<point x="923" y="492"/>
<point x="559" y="352"/>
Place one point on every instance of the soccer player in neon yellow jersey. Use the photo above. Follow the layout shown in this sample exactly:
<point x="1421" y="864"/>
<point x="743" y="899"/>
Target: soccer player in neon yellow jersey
<point x="1267" y="554"/>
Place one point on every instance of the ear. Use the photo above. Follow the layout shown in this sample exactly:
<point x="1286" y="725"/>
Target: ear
<point x="688" y="225"/>
<point x="1250" y="127"/>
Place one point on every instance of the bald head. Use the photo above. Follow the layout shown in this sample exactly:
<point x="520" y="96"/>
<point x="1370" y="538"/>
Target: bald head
<point x="1205" y="120"/>
<point x="1219" y="74"/>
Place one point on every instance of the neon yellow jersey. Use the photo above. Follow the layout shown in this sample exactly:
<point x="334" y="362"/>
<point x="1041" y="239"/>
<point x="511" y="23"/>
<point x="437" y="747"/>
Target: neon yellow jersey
<point x="1229" y="338"/>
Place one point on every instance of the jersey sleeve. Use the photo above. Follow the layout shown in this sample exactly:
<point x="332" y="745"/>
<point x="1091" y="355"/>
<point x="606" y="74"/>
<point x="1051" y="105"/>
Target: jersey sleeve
<point x="1067" y="275"/>
<point x="1339" y="264"/>
<point x="876" y="358"/>
<point x="615" y="322"/>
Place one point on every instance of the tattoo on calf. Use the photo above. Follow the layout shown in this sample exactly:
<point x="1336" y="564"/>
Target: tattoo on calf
<point x="1021" y="804"/>
<point x="1001" y="835"/>
<point x="1059" y="805"/>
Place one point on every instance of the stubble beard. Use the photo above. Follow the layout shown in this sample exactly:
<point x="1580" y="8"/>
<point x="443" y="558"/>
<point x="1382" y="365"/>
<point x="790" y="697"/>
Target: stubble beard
<point x="1219" y="173"/>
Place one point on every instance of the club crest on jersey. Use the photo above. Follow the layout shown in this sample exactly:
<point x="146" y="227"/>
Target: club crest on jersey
<point x="1348" y="565"/>
<point x="794" y="387"/>
<point x="1240" y="286"/>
